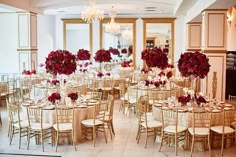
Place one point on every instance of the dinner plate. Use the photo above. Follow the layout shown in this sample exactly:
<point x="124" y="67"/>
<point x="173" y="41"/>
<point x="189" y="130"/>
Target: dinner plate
<point x="92" y="101"/>
<point x="228" y="105"/>
<point x="48" y="107"/>
<point x="215" y="111"/>
<point x="227" y="108"/>
<point x="91" y="104"/>
<point x="81" y="106"/>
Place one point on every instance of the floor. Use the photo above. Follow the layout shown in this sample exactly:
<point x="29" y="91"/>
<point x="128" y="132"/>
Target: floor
<point x="122" y="145"/>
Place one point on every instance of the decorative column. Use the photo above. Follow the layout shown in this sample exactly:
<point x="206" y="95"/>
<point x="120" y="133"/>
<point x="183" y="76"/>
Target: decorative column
<point x="194" y="30"/>
<point x="27" y="41"/>
<point x="214" y="46"/>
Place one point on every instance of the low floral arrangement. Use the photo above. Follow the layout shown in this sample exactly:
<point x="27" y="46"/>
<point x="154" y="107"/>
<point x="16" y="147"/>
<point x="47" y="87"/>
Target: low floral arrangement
<point x="125" y="64"/>
<point x="55" y="82"/>
<point x="114" y="51"/>
<point x="41" y="65"/>
<point x="83" y="70"/>
<point x="200" y="99"/>
<point x="184" y="99"/>
<point x="108" y="74"/>
<point x="53" y="97"/>
<point x="155" y="58"/>
<point x="124" y="50"/>
<point x="73" y="96"/>
<point x="145" y="71"/>
<point x="28" y="72"/>
<point x="194" y="64"/>
<point x="156" y="83"/>
<point x="83" y="55"/>
<point x="102" y="56"/>
<point x="60" y="62"/>
<point x="130" y="49"/>
<point x="100" y="74"/>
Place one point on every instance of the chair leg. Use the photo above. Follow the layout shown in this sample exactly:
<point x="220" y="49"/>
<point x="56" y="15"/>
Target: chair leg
<point x="162" y="136"/>
<point x="176" y="144"/>
<point x="19" y="138"/>
<point x="192" y="145"/>
<point x="209" y="145"/>
<point x="11" y="134"/>
<point x="112" y="127"/>
<point x="94" y="135"/>
<point x="139" y="133"/>
<point x="28" y="139"/>
<point x="104" y="132"/>
<point x="42" y="139"/>
<point x="222" y="145"/>
<point x="146" y="137"/>
<point x="57" y="138"/>
<point x="73" y="139"/>
<point x="109" y="128"/>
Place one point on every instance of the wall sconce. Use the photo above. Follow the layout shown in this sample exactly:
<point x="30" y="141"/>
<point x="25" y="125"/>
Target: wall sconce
<point x="229" y="19"/>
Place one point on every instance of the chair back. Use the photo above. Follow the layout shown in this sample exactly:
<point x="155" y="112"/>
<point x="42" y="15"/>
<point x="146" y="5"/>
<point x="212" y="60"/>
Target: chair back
<point x="14" y="114"/>
<point x="201" y="119"/>
<point x="143" y="109"/>
<point x="110" y="105"/>
<point x="35" y="115"/>
<point x="64" y="114"/>
<point x="169" y="117"/>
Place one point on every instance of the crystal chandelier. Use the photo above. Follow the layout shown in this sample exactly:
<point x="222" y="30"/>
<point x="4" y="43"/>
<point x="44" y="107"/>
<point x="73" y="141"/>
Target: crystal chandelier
<point x="92" y="13"/>
<point x="112" y="26"/>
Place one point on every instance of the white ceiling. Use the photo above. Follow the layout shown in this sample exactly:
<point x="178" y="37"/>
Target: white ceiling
<point x="140" y="8"/>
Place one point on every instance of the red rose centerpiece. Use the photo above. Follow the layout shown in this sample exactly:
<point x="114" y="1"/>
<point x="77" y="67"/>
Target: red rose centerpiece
<point x="28" y="72"/>
<point x="73" y="96"/>
<point x="124" y="50"/>
<point x="125" y="64"/>
<point x="60" y="62"/>
<point x="102" y="56"/>
<point x="114" y="51"/>
<point x="53" y="97"/>
<point x="83" y="55"/>
<point x="100" y="74"/>
<point x="155" y="58"/>
<point x="184" y="99"/>
<point x="194" y="64"/>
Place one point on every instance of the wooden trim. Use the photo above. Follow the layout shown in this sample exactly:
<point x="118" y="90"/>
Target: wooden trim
<point x="208" y="23"/>
<point x="215" y="51"/>
<point x="214" y="10"/>
<point x="121" y="20"/>
<point x="190" y="23"/>
<point x="161" y="20"/>
<point x="77" y="21"/>
<point x="27" y="49"/>
<point x="193" y="49"/>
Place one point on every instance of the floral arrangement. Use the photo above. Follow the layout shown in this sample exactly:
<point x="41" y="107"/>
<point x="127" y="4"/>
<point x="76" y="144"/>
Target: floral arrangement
<point x="41" y="65"/>
<point x="145" y="71"/>
<point x="124" y="50"/>
<point x="108" y="74"/>
<point x="184" y="99"/>
<point x="55" y="82"/>
<point x="53" y="97"/>
<point x="155" y="58"/>
<point x="102" y="56"/>
<point x="60" y="62"/>
<point x="82" y="55"/>
<point x="194" y="64"/>
<point x="100" y="74"/>
<point x="130" y="49"/>
<point x="28" y="72"/>
<point x="156" y="83"/>
<point x="200" y="99"/>
<point x="73" y="96"/>
<point x="114" y="51"/>
<point x="126" y="63"/>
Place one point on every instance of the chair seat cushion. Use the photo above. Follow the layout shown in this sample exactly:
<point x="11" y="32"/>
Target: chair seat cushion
<point x="219" y="129"/>
<point x="171" y="129"/>
<point x="199" y="131"/>
<point x="152" y="124"/>
<point x="63" y="126"/>
<point x="37" y="126"/>
<point x="91" y="122"/>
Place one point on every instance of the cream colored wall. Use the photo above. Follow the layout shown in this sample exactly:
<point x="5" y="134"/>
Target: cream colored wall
<point x="231" y="39"/>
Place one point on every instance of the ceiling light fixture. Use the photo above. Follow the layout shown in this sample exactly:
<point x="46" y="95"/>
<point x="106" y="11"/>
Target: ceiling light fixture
<point x="92" y="13"/>
<point x="112" y="26"/>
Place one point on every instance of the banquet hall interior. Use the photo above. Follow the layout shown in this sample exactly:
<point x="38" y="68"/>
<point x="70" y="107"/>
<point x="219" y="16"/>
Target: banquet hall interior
<point x="119" y="78"/>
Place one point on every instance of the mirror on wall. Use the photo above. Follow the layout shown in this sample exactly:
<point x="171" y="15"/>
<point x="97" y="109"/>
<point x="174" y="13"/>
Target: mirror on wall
<point x="122" y="39"/>
<point x="160" y="33"/>
<point x="77" y="35"/>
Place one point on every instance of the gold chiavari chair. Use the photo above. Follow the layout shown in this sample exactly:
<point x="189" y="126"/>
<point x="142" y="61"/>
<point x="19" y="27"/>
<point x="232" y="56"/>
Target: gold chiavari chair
<point x="107" y="87"/>
<point x="123" y="95"/>
<point x="3" y="90"/>
<point x="145" y="124"/>
<point x="201" y="124"/>
<point x="37" y="126"/>
<point x="17" y="125"/>
<point x="171" y="129"/>
<point x="224" y="130"/>
<point x="64" y="123"/>
<point x="108" y="119"/>
<point x="96" y="124"/>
